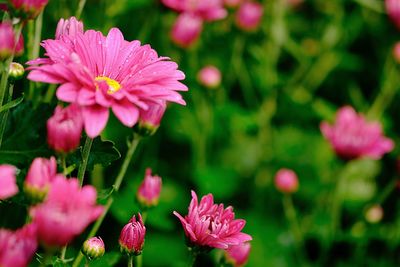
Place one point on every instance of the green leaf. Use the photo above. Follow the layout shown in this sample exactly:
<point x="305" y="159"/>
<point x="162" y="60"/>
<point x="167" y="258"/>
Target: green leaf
<point x="12" y="104"/>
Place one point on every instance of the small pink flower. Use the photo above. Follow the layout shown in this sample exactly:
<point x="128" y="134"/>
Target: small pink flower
<point x="66" y="212"/>
<point x="64" y="129"/>
<point x="238" y="255"/>
<point x="132" y="236"/>
<point x="396" y="52"/>
<point x="208" y="10"/>
<point x="150" y="189"/>
<point x="8" y="183"/>
<point x="29" y="8"/>
<point x="150" y="119"/>
<point x="69" y="27"/>
<point x="211" y="225"/>
<point x="17" y="248"/>
<point x="393" y="10"/>
<point x="286" y="181"/>
<point x="352" y="137"/>
<point x="100" y="73"/>
<point x="40" y="175"/>
<point x="186" y="30"/>
<point x="209" y="76"/>
<point x="249" y="16"/>
<point x="93" y="248"/>
<point x="232" y="3"/>
<point x="8" y="41"/>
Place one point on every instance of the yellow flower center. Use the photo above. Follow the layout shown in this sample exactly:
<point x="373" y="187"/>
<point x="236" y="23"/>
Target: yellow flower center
<point x="113" y="85"/>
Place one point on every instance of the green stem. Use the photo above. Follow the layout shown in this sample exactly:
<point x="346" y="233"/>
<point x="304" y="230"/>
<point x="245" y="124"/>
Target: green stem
<point x="194" y="254"/>
<point x="387" y="191"/>
<point x="63" y="252"/>
<point x="138" y="261"/>
<point x="117" y="184"/>
<point x="130" y="261"/>
<point x="85" y="158"/>
<point x="81" y="5"/>
<point x="86" y="263"/>
<point x="4" y="115"/>
<point x="35" y="48"/>
<point x="64" y="163"/>
<point x="336" y="207"/>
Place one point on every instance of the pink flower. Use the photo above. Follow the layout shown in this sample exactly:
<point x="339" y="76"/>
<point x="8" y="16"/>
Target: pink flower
<point x="211" y="225"/>
<point x="208" y="10"/>
<point x="393" y="10"/>
<point x="131" y="240"/>
<point x="286" y="181"/>
<point x="352" y="137"/>
<point x="209" y="77"/>
<point x="249" y="16"/>
<point x="101" y="72"/>
<point x="40" y="175"/>
<point x="93" y="248"/>
<point x="150" y="119"/>
<point x="17" y="248"/>
<point x="150" y="189"/>
<point x="70" y="27"/>
<point x="8" y="183"/>
<point x="8" y="41"/>
<point x="29" y="8"/>
<point x="238" y="255"/>
<point x="64" y="129"/>
<point x="186" y="29"/>
<point x="66" y="212"/>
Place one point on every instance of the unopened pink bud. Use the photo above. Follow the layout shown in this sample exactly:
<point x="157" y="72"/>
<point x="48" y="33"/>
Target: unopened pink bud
<point x="238" y="255"/>
<point x="28" y="8"/>
<point x="393" y="10"/>
<point x="186" y="30"/>
<point x="8" y="183"/>
<point x="150" y="119"/>
<point x="150" y="189"/>
<point x="40" y="175"/>
<point x="374" y="214"/>
<point x="69" y="27"/>
<point x="132" y="236"/>
<point x="209" y="77"/>
<point x="64" y="129"/>
<point x="9" y="44"/>
<point x="286" y="181"/>
<point x="93" y="248"/>
<point x="249" y="15"/>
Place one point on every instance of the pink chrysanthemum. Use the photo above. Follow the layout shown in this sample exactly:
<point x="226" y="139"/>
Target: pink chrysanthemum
<point x="8" y="182"/>
<point x="212" y="225"/>
<point x="352" y="136"/>
<point x="208" y="10"/>
<point x="101" y="72"/>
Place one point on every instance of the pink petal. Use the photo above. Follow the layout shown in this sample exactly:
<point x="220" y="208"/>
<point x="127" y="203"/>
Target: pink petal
<point x="127" y="113"/>
<point x="95" y="119"/>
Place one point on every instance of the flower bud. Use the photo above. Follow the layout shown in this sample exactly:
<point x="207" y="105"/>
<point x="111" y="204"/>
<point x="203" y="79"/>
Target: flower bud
<point x="186" y="30"/>
<point x="396" y="52"/>
<point x="8" y="41"/>
<point x="93" y="248"/>
<point x="40" y="175"/>
<point x="209" y="77"/>
<point x="149" y="120"/>
<point x="249" y="15"/>
<point x="149" y="191"/>
<point x="237" y="255"/>
<point x="16" y="71"/>
<point x="393" y="10"/>
<point x="64" y="129"/>
<point x="131" y="240"/>
<point x="28" y="9"/>
<point x="374" y="214"/>
<point x="8" y="183"/>
<point x="69" y="27"/>
<point x="286" y="181"/>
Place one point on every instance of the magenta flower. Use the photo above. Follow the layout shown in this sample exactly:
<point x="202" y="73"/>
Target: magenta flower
<point x="150" y="189"/>
<point x="64" y="129"/>
<point x="208" y="10"/>
<point x="352" y="137"/>
<point x="211" y="225"/>
<point x="209" y="76"/>
<point x="101" y="72"/>
<point x="238" y="255"/>
<point x="8" y="183"/>
<point x="8" y="41"/>
<point x="393" y="10"/>
<point x="186" y="29"/>
<point x="66" y="212"/>
<point x="286" y="181"/>
<point x="40" y="175"/>
<point x="17" y="248"/>
<point x="70" y="27"/>
<point x="30" y="8"/>
<point x="249" y="16"/>
<point x="93" y="248"/>
<point x="150" y="119"/>
<point x="131" y="240"/>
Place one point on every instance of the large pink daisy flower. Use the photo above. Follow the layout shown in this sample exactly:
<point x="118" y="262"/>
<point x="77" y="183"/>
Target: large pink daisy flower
<point x="101" y="72"/>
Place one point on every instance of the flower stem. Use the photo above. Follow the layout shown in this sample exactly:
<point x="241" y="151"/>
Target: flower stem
<point x="138" y="260"/>
<point x="62" y="254"/>
<point x="35" y="48"/>
<point x="117" y="184"/>
<point x="194" y="254"/>
<point x="85" y="158"/>
<point x="336" y="206"/>
<point x="4" y="116"/>
<point x="130" y="261"/>
<point x="81" y="5"/>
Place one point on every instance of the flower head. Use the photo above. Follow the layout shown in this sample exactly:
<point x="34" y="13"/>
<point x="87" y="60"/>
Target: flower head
<point x="150" y="189"/>
<point x="208" y="10"/>
<point x="16" y="71"/>
<point x="393" y="10"/>
<point x="150" y="119"/>
<point x="186" y="29"/>
<point x="93" y="248"/>
<point x="28" y="8"/>
<point x="209" y="76"/>
<point x="8" y="183"/>
<point x="100" y="73"/>
<point x="17" y="248"/>
<point x="249" y="16"/>
<point x="238" y="255"/>
<point x="131" y="240"/>
<point x="211" y="225"/>
<point x="9" y="44"/>
<point x="352" y="137"/>
<point x="64" y="129"/>
<point x="66" y="212"/>
<point x="286" y="181"/>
